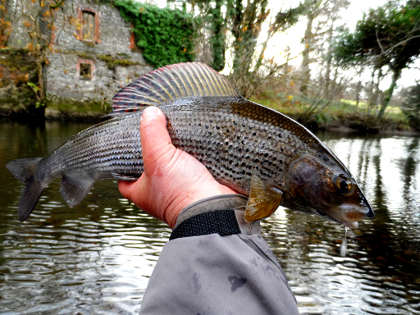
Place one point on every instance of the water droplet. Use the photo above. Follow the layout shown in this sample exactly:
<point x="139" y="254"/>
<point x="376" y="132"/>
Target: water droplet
<point x="343" y="246"/>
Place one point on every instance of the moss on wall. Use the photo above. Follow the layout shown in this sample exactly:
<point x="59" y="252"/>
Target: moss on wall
<point x="17" y="70"/>
<point x="70" y="106"/>
<point x="111" y="61"/>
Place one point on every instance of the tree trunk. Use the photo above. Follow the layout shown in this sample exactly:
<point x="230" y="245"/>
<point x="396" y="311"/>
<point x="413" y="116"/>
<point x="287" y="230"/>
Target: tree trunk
<point x="373" y="98"/>
<point x="358" y="90"/>
<point x="388" y="93"/>
<point x="218" y="39"/>
<point x="306" y="74"/>
<point x="377" y="90"/>
<point x="327" y="79"/>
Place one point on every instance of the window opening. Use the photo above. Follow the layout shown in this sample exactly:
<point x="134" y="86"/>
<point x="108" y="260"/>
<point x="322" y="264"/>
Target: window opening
<point x="85" y="71"/>
<point x="88" y="26"/>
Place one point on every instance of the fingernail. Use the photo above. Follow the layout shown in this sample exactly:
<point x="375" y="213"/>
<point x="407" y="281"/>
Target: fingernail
<point x="150" y="112"/>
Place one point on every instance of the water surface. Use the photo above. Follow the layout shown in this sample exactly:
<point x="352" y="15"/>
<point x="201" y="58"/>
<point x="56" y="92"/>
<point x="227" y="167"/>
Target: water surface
<point x="97" y="257"/>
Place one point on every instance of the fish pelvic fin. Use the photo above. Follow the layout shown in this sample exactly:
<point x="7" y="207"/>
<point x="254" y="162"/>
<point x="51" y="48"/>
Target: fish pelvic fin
<point x="75" y="185"/>
<point x="169" y="83"/>
<point x="24" y="170"/>
<point x="263" y="200"/>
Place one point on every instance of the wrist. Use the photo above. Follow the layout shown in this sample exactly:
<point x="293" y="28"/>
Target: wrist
<point x="221" y="214"/>
<point x="189" y="198"/>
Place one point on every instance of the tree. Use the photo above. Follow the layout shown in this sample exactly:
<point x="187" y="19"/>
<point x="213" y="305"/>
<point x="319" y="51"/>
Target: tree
<point x="245" y="24"/>
<point x="212" y="27"/>
<point x="332" y="17"/>
<point x="244" y="21"/>
<point x="321" y="17"/>
<point x="411" y="106"/>
<point x="388" y="36"/>
<point x="5" y="24"/>
<point x="313" y="10"/>
<point x="39" y="24"/>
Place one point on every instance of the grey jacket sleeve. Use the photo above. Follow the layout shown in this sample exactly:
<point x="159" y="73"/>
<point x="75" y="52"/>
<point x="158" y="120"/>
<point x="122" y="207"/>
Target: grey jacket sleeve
<point x="217" y="275"/>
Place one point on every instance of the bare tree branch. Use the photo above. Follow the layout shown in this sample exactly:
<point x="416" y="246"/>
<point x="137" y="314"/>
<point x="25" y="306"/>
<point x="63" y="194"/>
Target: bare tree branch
<point x="379" y="42"/>
<point x="403" y="42"/>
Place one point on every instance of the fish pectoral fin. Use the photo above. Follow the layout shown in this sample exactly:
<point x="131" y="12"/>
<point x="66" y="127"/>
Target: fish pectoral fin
<point x="263" y="200"/>
<point x="75" y="185"/>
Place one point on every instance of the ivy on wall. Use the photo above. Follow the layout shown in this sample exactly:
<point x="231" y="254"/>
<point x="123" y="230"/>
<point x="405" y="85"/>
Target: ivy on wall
<point x="165" y="36"/>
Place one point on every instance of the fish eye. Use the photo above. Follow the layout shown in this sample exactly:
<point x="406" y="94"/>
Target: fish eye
<point x="344" y="185"/>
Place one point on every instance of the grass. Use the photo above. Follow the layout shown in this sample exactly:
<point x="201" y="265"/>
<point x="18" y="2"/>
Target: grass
<point x="336" y="114"/>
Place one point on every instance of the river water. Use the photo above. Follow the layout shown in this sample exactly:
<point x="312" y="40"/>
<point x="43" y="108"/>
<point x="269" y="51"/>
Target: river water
<point x="97" y="257"/>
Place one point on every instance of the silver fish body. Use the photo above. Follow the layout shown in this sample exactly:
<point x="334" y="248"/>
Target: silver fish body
<point x="252" y="149"/>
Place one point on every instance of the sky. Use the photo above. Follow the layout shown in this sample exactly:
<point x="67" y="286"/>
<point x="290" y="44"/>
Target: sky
<point x="292" y="38"/>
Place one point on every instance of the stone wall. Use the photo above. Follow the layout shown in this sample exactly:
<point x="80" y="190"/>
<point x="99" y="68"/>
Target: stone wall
<point x="18" y="12"/>
<point x="91" y="55"/>
<point x="95" y="68"/>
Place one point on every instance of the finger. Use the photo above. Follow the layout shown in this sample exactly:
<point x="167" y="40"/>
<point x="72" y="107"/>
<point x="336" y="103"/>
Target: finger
<point x="153" y="132"/>
<point x="125" y="188"/>
<point x="153" y="135"/>
<point x="134" y="191"/>
<point x="155" y="140"/>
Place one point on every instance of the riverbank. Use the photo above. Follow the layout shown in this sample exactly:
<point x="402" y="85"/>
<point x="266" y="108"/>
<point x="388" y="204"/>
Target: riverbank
<point x="342" y="118"/>
<point x="88" y="111"/>
<point x="59" y="110"/>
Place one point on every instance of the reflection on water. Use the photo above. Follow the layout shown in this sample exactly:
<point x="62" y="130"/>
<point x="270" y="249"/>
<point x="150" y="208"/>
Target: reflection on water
<point x="98" y="256"/>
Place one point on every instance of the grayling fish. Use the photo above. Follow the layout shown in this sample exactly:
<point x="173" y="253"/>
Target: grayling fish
<point x="254" y="150"/>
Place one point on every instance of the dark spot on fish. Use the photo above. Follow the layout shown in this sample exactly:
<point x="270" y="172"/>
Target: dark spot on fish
<point x="236" y="282"/>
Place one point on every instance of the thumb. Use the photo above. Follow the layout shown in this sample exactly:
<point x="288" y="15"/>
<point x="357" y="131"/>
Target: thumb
<point x="155" y="141"/>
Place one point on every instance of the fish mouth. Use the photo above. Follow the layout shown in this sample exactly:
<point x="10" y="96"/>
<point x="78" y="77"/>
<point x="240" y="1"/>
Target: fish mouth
<point x="350" y="214"/>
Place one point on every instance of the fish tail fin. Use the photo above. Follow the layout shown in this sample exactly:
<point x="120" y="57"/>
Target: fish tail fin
<point x="24" y="170"/>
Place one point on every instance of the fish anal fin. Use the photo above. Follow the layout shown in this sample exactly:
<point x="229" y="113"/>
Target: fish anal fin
<point x="75" y="185"/>
<point x="263" y="200"/>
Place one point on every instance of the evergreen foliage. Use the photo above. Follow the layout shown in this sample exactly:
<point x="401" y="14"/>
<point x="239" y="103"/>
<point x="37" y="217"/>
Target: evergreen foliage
<point x="165" y="36"/>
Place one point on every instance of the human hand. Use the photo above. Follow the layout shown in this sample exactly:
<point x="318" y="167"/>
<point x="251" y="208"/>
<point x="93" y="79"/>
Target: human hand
<point x="172" y="179"/>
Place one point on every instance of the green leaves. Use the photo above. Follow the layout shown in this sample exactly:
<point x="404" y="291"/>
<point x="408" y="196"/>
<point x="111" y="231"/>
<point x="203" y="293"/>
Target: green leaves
<point x="387" y="36"/>
<point x="165" y="36"/>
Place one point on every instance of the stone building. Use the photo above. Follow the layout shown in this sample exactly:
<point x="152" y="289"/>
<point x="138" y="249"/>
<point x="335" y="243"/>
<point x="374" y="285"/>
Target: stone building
<point x="91" y="51"/>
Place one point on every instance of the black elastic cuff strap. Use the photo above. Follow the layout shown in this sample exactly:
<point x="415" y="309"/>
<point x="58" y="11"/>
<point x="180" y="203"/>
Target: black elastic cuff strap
<point x="222" y="222"/>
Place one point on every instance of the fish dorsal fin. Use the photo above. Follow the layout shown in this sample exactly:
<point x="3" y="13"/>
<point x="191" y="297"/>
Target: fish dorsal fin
<point x="169" y="83"/>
